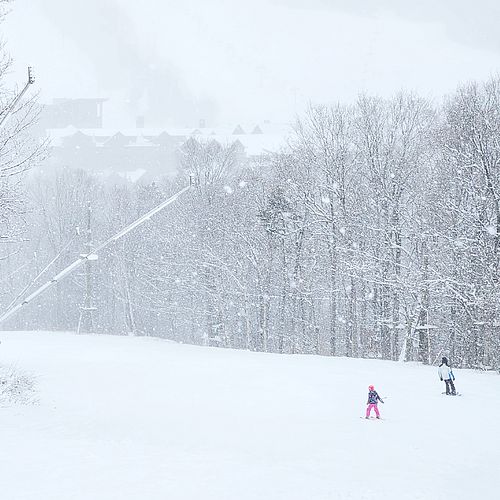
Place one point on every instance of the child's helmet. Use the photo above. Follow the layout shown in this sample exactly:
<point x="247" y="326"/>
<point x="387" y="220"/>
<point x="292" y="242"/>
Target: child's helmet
<point x="371" y="387"/>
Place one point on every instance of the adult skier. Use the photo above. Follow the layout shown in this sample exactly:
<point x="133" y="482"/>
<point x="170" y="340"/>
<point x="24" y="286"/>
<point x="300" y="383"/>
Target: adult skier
<point x="446" y="374"/>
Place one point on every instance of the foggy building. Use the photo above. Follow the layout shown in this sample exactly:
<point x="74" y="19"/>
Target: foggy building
<point x="79" y="113"/>
<point x="134" y="152"/>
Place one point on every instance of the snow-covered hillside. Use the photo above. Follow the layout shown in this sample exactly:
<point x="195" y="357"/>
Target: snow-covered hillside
<point x="140" y="418"/>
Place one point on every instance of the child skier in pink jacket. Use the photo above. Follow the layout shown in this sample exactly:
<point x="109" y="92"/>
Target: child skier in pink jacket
<point x="373" y="399"/>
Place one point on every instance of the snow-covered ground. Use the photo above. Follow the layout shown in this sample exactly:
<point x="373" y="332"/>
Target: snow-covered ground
<point x="139" y="418"/>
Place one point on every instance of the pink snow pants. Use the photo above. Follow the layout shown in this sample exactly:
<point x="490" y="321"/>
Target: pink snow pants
<point x="369" y="409"/>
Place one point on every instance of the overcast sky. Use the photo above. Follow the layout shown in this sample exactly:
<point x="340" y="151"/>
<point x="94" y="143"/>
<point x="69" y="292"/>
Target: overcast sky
<point x="237" y="61"/>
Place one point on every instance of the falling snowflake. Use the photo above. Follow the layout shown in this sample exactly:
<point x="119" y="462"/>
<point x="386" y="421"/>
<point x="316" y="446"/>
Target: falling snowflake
<point x="491" y="230"/>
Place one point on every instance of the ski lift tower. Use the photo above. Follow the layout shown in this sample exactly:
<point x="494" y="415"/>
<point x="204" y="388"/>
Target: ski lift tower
<point x="86" y="321"/>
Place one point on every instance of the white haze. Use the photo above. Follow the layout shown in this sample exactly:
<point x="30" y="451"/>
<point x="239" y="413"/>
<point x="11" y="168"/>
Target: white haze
<point x="231" y="61"/>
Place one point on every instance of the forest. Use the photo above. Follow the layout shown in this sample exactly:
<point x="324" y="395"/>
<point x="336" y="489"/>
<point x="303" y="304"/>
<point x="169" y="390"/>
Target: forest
<point x="374" y="234"/>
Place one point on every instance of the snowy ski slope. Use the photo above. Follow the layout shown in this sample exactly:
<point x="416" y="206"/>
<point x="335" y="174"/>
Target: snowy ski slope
<point x="140" y="418"/>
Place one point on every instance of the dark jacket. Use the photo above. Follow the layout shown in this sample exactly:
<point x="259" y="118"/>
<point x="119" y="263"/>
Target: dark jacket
<point x="373" y="398"/>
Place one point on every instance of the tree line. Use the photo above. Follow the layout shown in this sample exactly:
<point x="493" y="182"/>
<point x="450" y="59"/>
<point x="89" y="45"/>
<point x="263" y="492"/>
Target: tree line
<point x="373" y="233"/>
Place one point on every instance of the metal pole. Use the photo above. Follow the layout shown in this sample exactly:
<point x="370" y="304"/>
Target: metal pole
<point x="87" y="310"/>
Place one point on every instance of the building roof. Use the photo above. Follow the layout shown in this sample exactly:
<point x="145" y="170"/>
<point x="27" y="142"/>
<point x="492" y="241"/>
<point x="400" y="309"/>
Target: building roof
<point x="262" y="138"/>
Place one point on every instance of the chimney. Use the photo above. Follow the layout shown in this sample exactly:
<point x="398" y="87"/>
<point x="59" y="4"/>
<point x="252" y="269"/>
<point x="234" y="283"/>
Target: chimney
<point x="202" y="123"/>
<point x="139" y="122"/>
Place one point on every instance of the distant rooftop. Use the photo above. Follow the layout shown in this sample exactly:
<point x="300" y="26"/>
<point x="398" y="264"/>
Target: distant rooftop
<point x="261" y="138"/>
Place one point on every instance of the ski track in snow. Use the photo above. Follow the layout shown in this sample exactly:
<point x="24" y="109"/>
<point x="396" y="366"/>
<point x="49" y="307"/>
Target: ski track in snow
<point x="141" y="418"/>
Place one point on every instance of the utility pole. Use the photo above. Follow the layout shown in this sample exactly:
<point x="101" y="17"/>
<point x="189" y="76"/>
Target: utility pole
<point x="86" y="321"/>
